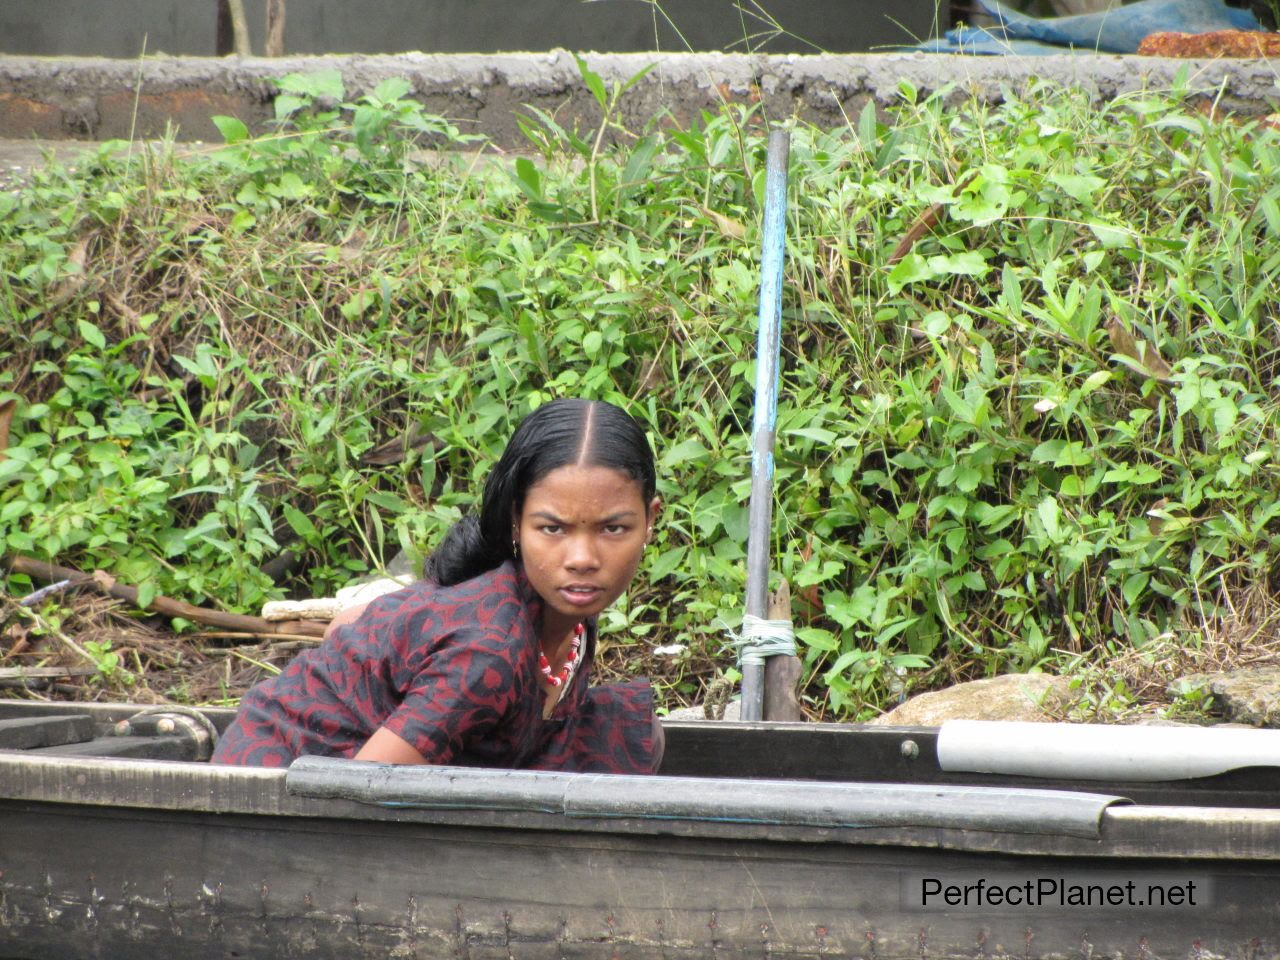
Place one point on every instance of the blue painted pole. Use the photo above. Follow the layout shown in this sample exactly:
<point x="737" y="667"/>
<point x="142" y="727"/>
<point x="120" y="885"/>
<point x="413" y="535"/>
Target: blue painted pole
<point x="765" y="419"/>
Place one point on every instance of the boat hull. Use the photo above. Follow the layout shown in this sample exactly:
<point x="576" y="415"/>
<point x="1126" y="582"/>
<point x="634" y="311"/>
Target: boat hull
<point x="107" y="883"/>
<point x="132" y="858"/>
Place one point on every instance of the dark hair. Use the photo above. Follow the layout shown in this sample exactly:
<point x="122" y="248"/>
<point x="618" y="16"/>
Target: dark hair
<point x="560" y="433"/>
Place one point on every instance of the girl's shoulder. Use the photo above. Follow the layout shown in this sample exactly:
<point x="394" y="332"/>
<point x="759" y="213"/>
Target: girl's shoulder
<point x="495" y="600"/>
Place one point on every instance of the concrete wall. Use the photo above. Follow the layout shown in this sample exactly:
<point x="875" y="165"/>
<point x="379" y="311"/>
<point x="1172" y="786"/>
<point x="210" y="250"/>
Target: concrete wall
<point x="119" y="28"/>
<point x="101" y="99"/>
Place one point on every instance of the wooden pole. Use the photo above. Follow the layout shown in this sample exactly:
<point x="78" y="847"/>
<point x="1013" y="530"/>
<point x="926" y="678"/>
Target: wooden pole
<point x="764" y="424"/>
<point x="781" y="673"/>
<point x="239" y="28"/>
<point x="275" y="28"/>
<point x="224" y="40"/>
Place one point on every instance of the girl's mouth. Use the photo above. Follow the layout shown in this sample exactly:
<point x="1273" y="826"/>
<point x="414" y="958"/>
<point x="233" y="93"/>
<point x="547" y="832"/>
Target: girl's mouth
<point x="581" y="595"/>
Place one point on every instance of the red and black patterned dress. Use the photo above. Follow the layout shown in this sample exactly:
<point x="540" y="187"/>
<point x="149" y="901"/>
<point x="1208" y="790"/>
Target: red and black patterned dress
<point x="453" y="671"/>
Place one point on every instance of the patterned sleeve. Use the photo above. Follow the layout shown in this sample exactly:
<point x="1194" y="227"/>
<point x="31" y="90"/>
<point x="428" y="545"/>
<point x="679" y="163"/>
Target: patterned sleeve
<point x="611" y="731"/>
<point x="459" y="694"/>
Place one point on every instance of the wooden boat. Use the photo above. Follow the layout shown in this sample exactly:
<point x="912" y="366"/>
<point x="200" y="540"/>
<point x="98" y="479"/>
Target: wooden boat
<point x="755" y="841"/>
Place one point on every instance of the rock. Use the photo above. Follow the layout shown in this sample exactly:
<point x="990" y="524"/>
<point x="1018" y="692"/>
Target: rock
<point x="732" y="711"/>
<point x="1022" y="696"/>
<point x="1249" y="696"/>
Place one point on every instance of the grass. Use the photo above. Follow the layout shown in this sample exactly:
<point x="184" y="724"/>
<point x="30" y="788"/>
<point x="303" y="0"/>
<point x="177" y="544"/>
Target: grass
<point x="1041" y="437"/>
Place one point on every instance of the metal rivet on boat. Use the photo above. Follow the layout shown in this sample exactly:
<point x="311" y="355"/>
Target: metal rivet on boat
<point x="123" y="728"/>
<point x="164" y="725"/>
<point x="910" y="749"/>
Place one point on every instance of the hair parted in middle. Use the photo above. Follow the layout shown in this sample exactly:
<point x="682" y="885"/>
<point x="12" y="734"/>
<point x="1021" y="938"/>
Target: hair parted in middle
<point x="560" y="433"/>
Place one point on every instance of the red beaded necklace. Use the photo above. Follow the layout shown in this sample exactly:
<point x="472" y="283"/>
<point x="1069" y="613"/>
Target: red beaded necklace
<point x="570" y="662"/>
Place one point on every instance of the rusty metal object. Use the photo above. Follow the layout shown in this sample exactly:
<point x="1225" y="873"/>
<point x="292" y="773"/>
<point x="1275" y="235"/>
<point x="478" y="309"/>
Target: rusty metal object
<point x="1218" y="43"/>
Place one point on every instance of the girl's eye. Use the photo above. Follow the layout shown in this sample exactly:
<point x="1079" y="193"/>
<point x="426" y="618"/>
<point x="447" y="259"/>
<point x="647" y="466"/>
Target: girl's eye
<point x="615" y="528"/>
<point x="551" y="528"/>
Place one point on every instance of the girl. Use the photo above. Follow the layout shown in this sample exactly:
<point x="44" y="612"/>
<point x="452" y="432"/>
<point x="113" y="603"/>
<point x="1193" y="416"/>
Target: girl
<point x="486" y="661"/>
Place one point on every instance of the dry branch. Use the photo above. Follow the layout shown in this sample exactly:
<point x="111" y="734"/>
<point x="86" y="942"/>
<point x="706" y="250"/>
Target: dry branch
<point x="167" y="606"/>
<point x="45" y="673"/>
<point x="923" y="224"/>
<point x="6" y="418"/>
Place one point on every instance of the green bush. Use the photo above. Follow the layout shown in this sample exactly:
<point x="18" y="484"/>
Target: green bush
<point x="1048" y="427"/>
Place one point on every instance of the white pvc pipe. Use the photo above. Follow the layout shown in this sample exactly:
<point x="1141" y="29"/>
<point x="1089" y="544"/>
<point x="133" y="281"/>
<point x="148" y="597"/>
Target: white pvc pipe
<point x="1102" y="752"/>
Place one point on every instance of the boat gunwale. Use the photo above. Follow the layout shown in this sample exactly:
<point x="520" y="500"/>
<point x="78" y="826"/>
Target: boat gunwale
<point x="1145" y="832"/>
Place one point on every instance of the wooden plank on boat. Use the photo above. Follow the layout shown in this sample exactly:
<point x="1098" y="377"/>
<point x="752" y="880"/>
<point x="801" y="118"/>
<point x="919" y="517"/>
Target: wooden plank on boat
<point x="826" y="751"/>
<point x="27" y="733"/>
<point x="135" y="747"/>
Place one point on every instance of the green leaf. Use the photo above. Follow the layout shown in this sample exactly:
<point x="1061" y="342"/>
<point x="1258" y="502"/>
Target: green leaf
<point x="638" y="166"/>
<point x="300" y="523"/>
<point x="971" y="263"/>
<point x="1073" y="454"/>
<point x="1134" y="587"/>
<point x="1050" y="516"/>
<point x="321" y="83"/>
<point x="285" y="106"/>
<point x="666" y="563"/>
<point x="908" y="460"/>
<point x="1062" y="453"/>
<point x="528" y="178"/>
<point x="91" y="334"/>
<point x="592" y="342"/>
<point x="909" y="269"/>
<point x="388" y="501"/>
<point x="290" y="186"/>
<point x="818" y="639"/>
<point x="593" y="82"/>
<point x="817" y="434"/>
<point x="233" y="130"/>
<point x="1079" y="188"/>
<point x="683" y="452"/>
<point x="1112" y="235"/>
<point x="391" y="89"/>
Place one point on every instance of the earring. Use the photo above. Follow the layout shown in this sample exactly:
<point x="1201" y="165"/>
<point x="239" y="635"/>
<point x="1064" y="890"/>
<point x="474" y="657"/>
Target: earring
<point x="515" y="549"/>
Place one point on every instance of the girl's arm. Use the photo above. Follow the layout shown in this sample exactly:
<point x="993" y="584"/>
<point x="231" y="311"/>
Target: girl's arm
<point x="349" y="615"/>
<point x="386" y="747"/>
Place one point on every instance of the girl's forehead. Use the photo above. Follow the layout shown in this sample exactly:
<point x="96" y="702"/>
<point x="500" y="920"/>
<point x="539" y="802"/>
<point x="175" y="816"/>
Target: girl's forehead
<point x="582" y="489"/>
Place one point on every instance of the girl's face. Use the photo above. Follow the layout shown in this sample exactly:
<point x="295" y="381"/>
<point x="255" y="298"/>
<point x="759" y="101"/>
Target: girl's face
<point x="581" y="534"/>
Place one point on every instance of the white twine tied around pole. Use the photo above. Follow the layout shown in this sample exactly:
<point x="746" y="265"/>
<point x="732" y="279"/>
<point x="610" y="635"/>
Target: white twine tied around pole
<point x="761" y="639"/>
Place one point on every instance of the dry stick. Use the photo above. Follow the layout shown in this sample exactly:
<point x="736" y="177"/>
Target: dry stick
<point x="45" y="673"/>
<point x="302" y="638"/>
<point x="275" y="28"/>
<point x="164" y="605"/>
<point x="923" y="224"/>
<point x="6" y="417"/>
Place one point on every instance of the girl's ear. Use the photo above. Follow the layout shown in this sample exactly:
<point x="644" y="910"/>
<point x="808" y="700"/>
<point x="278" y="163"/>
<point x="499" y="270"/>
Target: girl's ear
<point x="654" y="508"/>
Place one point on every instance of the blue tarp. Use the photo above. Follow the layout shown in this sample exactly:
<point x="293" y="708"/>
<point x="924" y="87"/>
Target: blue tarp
<point x="1113" y="31"/>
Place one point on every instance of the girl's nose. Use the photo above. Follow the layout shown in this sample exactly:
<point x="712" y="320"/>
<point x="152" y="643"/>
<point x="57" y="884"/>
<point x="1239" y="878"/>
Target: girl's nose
<point x="582" y="553"/>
